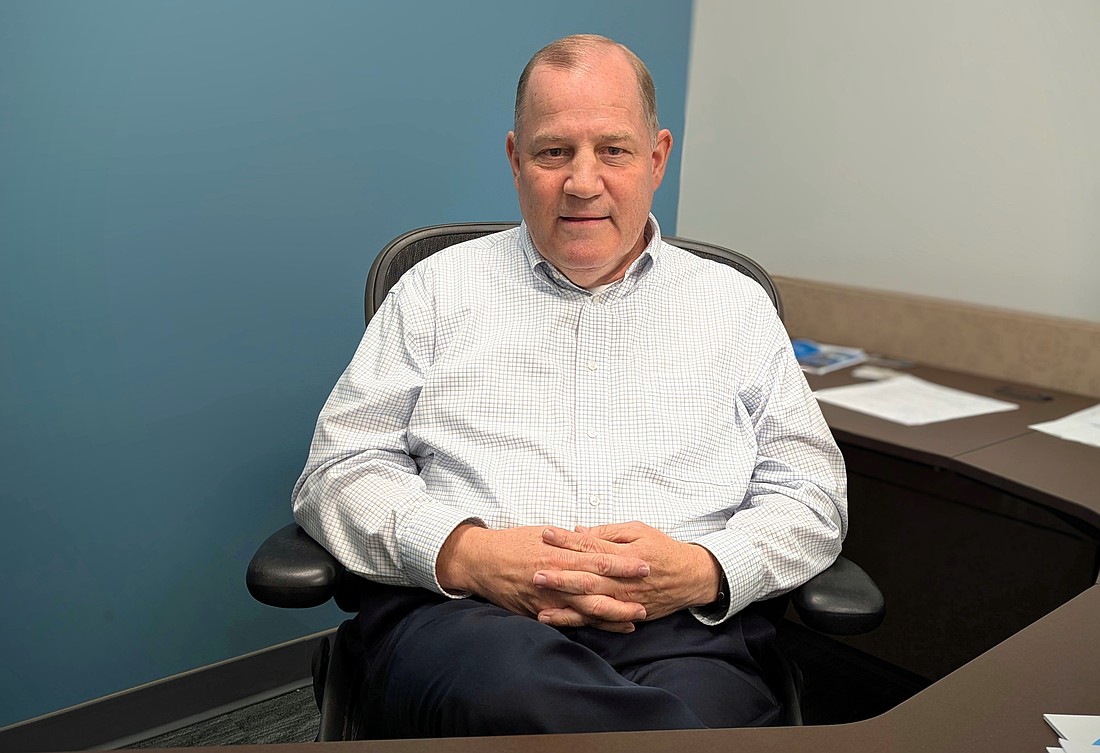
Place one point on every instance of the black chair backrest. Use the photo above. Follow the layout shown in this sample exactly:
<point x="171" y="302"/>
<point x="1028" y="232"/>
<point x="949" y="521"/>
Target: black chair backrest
<point x="399" y="256"/>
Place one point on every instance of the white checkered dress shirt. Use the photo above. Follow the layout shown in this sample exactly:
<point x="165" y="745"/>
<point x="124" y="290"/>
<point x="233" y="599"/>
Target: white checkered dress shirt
<point x="489" y="388"/>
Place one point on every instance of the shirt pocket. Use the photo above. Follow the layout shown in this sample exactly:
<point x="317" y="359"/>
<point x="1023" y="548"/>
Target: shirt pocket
<point x="497" y="394"/>
<point x="697" y="449"/>
<point x="696" y="428"/>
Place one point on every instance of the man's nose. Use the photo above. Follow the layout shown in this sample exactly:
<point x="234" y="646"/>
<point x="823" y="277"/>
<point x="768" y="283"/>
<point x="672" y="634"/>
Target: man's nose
<point x="585" y="180"/>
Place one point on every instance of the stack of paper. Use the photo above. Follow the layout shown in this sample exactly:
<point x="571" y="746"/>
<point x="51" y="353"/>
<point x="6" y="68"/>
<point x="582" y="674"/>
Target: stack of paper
<point x="1082" y="426"/>
<point x="911" y="401"/>
<point x="1076" y="734"/>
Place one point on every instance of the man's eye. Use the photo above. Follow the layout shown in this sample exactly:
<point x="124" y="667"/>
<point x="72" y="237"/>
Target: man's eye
<point x="555" y="152"/>
<point x="616" y="151"/>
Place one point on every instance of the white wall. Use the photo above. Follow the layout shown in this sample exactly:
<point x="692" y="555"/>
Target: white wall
<point x="948" y="148"/>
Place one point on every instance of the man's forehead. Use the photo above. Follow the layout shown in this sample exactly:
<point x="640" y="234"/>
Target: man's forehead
<point x="551" y="135"/>
<point x="609" y="102"/>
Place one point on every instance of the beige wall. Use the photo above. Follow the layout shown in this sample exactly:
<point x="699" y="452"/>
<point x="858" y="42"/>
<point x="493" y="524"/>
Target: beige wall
<point x="1021" y="348"/>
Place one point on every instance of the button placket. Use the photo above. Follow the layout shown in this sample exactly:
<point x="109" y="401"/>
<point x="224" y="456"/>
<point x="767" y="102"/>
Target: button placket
<point x="593" y="401"/>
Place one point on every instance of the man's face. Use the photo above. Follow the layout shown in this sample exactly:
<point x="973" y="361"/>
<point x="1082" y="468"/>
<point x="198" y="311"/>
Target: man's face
<point x="586" y="166"/>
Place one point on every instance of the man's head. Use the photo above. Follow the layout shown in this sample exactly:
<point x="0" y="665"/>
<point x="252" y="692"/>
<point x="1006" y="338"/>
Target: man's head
<point x="587" y="155"/>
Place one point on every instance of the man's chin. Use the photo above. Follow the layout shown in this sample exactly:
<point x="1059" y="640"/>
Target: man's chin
<point x="594" y="249"/>
<point x="601" y="232"/>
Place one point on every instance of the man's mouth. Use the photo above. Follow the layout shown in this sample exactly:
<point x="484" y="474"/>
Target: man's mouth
<point x="576" y="220"/>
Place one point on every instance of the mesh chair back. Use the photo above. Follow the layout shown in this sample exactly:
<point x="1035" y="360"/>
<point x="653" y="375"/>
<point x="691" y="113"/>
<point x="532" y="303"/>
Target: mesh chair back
<point x="399" y="256"/>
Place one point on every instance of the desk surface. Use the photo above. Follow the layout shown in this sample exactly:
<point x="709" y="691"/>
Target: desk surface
<point x="997" y="449"/>
<point x="994" y="703"/>
<point x="1055" y="472"/>
<point x="937" y="442"/>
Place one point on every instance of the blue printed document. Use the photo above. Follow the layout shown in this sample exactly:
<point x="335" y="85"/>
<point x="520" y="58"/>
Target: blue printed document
<point x="819" y="358"/>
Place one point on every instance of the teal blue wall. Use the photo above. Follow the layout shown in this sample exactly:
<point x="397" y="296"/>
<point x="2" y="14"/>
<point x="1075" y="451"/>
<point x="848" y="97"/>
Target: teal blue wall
<point x="191" y="194"/>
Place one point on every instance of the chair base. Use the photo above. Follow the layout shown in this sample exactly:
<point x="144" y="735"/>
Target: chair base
<point x="337" y="679"/>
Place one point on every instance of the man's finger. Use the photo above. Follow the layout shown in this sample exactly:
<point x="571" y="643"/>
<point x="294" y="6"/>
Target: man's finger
<point x="608" y="609"/>
<point x="562" y="618"/>
<point x="574" y="582"/>
<point x="576" y="542"/>
<point x="593" y="555"/>
<point x="607" y="565"/>
<point x="587" y="613"/>
<point x="615" y="533"/>
<point x="570" y="618"/>
<point x="584" y="610"/>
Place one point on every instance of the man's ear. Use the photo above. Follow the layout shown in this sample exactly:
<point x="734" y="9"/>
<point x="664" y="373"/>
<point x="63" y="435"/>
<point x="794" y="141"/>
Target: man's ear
<point x="661" y="149"/>
<point x="513" y="155"/>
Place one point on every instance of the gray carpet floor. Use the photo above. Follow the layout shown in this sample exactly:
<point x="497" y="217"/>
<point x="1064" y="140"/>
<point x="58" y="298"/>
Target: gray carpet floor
<point x="289" y="718"/>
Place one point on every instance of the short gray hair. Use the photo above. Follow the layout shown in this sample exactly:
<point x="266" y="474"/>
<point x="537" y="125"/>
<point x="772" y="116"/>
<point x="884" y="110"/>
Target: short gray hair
<point x="571" y="53"/>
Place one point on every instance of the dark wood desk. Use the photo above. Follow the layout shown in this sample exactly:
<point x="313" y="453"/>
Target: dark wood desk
<point x="1059" y="474"/>
<point x="994" y="703"/>
<point x="973" y="528"/>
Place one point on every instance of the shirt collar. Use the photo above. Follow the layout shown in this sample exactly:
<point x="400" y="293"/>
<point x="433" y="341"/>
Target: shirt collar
<point x="547" y="272"/>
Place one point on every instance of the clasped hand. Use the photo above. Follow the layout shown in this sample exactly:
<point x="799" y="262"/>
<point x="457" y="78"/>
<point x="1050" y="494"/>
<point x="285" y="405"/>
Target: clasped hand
<point x="608" y="577"/>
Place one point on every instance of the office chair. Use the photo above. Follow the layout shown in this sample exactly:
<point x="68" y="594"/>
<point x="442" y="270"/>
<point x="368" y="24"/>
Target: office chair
<point x="290" y="569"/>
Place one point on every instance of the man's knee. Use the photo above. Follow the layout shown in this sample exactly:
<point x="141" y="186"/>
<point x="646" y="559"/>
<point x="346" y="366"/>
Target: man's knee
<point x="469" y="669"/>
<point x="472" y="636"/>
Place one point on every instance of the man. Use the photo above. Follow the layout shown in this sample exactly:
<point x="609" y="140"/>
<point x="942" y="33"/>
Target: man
<point x="570" y="457"/>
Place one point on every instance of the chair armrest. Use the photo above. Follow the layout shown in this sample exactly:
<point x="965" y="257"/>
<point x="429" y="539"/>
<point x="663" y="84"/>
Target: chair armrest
<point x="841" y="600"/>
<point x="292" y="570"/>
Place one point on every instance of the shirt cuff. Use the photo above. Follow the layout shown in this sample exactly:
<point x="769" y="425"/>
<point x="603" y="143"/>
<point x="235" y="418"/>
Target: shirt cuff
<point x="420" y="539"/>
<point x="742" y="570"/>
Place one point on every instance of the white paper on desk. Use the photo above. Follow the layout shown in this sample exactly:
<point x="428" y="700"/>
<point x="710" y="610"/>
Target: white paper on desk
<point x="1080" y="731"/>
<point x="1082" y="426"/>
<point x="911" y="401"/>
<point x="1072" y="746"/>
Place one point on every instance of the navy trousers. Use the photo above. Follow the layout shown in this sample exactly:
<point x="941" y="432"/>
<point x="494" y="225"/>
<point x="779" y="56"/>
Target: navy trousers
<point x="436" y="667"/>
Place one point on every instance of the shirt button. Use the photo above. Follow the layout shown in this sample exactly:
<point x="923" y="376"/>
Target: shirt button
<point x="593" y="433"/>
<point x="594" y="500"/>
<point x="592" y="365"/>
